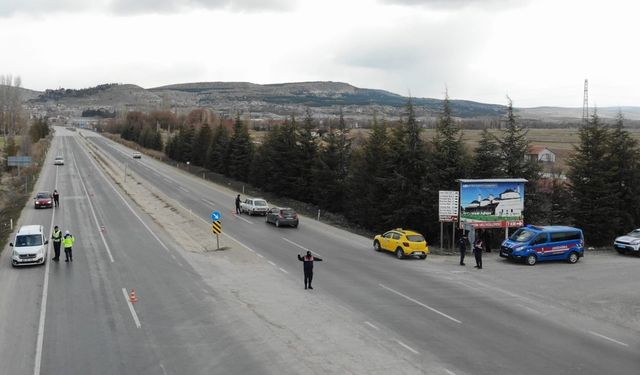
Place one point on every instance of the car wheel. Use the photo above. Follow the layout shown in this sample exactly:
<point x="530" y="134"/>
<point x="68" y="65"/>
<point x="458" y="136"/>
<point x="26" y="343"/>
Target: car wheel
<point x="532" y="260"/>
<point x="277" y="223"/>
<point x="266" y="219"/>
<point x="376" y="246"/>
<point x="399" y="253"/>
<point x="573" y="257"/>
<point x="423" y="256"/>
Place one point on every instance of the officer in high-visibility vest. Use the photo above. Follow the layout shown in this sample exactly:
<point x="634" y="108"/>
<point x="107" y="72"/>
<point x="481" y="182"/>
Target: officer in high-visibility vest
<point x="68" y="244"/>
<point x="56" y="236"/>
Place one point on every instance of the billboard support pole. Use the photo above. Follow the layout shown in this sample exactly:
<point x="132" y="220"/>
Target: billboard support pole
<point x="441" y="235"/>
<point x="453" y="235"/>
<point x="506" y="233"/>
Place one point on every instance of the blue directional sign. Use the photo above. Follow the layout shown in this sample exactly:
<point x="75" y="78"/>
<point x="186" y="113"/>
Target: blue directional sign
<point x="216" y="215"/>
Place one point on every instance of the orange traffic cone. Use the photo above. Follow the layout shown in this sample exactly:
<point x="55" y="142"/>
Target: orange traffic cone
<point x="132" y="297"/>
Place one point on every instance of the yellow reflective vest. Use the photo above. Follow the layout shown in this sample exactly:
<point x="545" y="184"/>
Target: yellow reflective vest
<point x="68" y="241"/>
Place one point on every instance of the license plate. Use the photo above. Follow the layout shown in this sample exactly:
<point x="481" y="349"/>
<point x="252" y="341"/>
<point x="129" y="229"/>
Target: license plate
<point x="620" y="246"/>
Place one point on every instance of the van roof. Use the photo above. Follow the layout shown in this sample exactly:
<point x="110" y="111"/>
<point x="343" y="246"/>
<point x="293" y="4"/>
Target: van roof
<point x="552" y="228"/>
<point x="30" y="229"/>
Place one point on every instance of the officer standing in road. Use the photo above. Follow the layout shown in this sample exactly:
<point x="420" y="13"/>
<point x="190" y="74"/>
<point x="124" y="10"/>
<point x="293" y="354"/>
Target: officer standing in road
<point x="68" y="244"/>
<point x="238" y="204"/>
<point x="56" y="236"/>
<point x="56" y="198"/>
<point x="478" y="247"/>
<point x="462" y="246"/>
<point x="308" y="268"/>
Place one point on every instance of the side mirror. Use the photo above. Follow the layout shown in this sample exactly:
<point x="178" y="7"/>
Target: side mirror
<point x="11" y="244"/>
<point x="46" y="242"/>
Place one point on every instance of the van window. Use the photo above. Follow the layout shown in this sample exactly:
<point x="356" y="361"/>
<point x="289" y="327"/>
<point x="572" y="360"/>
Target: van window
<point x="565" y="236"/>
<point x="540" y="239"/>
<point x="29" y="240"/>
<point x="522" y="235"/>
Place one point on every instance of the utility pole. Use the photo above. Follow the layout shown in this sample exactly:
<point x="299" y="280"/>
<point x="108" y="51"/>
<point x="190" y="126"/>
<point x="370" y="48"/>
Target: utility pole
<point x="585" y="103"/>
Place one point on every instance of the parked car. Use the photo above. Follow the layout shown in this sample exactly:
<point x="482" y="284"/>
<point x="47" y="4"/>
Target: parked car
<point x="282" y="216"/>
<point x="629" y="243"/>
<point x="59" y="160"/>
<point x="137" y="155"/>
<point x="29" y="247"/>
<point x="541" y="243"/>
<point x="404" y="243"/>
<point x="254" y="206"/>
<point x="43" y="200"/>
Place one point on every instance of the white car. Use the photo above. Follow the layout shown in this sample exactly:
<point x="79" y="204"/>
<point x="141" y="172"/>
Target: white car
<point x="137" y="155"/>
<point x="629" y="243"/>
<point x="59" y="160"/>
<point x="254" y="206"/>
<point x="30" y="246"/>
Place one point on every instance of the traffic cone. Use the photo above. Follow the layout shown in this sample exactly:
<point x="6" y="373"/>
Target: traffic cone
<point x="132" y="297"/>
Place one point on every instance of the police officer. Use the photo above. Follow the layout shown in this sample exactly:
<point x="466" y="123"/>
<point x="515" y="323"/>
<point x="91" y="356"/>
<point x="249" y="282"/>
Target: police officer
<point x="56" y="236"/>
<point x="238" y="204"/>
<point x="477" y="251"/>
<point x="56" y="198"/>
<point x="462" y="247"/>
<point x="68" y="244"/>
<point x="308" y="268"/>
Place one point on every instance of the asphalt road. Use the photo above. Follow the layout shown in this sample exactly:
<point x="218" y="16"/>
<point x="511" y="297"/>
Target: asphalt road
<point x="470" y="324"/>
<point x="74" y="318"/>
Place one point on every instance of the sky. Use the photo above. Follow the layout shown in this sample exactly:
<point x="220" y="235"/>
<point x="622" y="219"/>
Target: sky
<point x="536" y="52"/>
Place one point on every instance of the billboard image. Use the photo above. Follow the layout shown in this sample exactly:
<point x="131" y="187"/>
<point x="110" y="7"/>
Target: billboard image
<point x="492" y="203"/>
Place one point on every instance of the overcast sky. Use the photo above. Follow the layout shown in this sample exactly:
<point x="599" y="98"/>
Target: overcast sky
<point x="536" y="51"/>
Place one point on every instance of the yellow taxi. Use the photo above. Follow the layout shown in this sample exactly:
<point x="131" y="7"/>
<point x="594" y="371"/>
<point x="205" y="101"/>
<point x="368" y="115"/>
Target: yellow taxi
<point x="404" y="243"/>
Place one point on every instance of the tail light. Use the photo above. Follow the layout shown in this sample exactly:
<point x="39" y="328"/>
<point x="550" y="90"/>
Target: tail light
<point x="406" y="244"/>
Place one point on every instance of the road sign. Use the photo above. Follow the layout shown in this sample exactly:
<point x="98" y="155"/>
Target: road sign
<point x="448" y="205"/>
<point x="18" y="161"/>
<point x="216" y="216"/>
<point x="216" y="227"/>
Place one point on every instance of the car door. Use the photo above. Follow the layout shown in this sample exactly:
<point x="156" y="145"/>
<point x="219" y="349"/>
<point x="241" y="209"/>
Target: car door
<point x="540" y="245"/>
<point x="384" y="241"/>
<point x="395" y="241"/>
<point x="271" y="215"/>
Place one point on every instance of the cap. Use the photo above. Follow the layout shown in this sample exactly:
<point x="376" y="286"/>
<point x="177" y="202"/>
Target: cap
<point x="66" y="232"/>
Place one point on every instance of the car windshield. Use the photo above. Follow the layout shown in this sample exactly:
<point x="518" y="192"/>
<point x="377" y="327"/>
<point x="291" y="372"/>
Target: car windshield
<point x="415" y="238"/>
<point x="288" y="212"/>
<point x="634" y="233"/>
<point x="522" y="235"/>
<point x="29" y="240"/>
<point x="260" y="203"/>
<point x="58" y="157"/>
<point x="42" y="195"/>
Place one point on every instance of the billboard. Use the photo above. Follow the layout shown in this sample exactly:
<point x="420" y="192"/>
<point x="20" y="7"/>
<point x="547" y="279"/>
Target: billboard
<point x="494" y="203"/>
<point x="448" y="203"/>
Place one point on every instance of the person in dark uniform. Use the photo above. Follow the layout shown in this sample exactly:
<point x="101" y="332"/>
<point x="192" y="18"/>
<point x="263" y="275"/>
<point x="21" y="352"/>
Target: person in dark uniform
<point x="462" y="247"/>
<point x="478" y="247"/>
<point x="238" y="204"/>
<point x="56" y="198"/>
<point x="308" y="268"/>
<point x="56" y="236"/>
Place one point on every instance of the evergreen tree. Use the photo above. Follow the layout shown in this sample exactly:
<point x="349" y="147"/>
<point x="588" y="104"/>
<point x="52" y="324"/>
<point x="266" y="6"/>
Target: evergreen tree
<point x="559" y="208"/>
<point x="625" y="164"/>
<point x="218" y="151"/>
<point x="240" y="151"/>
<point x="307" y="153"/>
<point x="278" y="161"/>
<point x="449" y="160"/>
<point x="594" y="197"/>
<point x="487" y="161"/>
<point x="200" y="145"/>
<point x="367" y="183"/>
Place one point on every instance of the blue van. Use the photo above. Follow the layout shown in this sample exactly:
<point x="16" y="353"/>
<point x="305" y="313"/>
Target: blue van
<point x="539" y="243"/>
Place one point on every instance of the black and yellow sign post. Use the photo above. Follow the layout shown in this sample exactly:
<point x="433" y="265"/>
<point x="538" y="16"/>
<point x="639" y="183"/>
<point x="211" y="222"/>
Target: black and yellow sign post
<point x="216" y="227"/>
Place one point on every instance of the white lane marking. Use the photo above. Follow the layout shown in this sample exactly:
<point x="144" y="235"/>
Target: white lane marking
<point x="259" y="255"/>
<point x="608" y="338"/>
<point x="183" y="189"/>
<point x="300" y="246"/>
<point x="529" y="308"/>
<point x="407" y="347"/>
<point x="282" y="269"/>
<point x="208" y="201"/>
<point x="243" y="219"/>
<point x="372" y="326"/>
<point x="173" y="256"/>
<point x="93" y="211"/>
<point x="449" y="372"/>
<point x="271" y="263"/>
<point x="421" y="304"/>
<point x="45" y="293"/>
<point x="133" y="311"/>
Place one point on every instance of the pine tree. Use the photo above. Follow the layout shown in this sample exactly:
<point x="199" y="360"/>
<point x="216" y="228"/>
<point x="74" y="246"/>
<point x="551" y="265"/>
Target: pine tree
<point x="559" y="211"/>
<point x="201" y="143"/>
<point x="449" y="158"/>
<point x="487" y="161"/>
<point x="218" y="151"/>
<point x="240" y="151"/>
<point x="593" y="193"/>
<point x="625" y="164"/>
<point x="307" y="153"/>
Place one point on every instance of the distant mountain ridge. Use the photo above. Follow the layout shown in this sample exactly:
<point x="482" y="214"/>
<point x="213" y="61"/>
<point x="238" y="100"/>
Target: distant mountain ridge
<point x="276" y="101"/>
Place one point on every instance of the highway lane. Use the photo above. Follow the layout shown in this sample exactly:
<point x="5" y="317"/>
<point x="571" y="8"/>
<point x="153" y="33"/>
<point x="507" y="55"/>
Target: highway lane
<point x="473" y="330"/>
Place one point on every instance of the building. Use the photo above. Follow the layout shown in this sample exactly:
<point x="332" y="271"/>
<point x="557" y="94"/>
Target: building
<point x="540" y="154"/>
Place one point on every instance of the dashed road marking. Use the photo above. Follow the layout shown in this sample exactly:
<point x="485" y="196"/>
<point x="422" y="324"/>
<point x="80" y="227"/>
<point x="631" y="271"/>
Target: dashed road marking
<point x="421" y="304"/>
<point x="407" y="347"/>
<point x="608" y="338"/>
<point x="300" y="246"/>
<point x="282" y="269"/>
<point x="372" y="326"/>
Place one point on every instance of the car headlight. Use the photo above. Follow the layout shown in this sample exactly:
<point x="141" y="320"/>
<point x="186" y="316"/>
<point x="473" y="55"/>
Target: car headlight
<point x="15" y="253"/>
<point x="636" y="242"/>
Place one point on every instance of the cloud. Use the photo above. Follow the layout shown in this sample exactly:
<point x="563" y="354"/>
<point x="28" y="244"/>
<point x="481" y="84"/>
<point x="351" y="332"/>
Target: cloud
<point x="125" y="7"/>
<point x="458" y="4"/>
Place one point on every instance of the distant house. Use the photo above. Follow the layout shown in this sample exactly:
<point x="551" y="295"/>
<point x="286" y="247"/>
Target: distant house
<point x="540" y="154"/>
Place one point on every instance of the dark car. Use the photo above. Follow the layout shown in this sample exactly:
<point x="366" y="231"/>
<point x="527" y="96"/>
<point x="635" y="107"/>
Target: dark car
<point x="282" y="216"/>
<point x="43" y="200"/>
